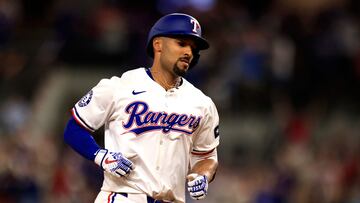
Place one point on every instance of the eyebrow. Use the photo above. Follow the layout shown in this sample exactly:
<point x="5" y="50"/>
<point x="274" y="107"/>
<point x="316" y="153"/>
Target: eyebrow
<point x="187" y="40"/>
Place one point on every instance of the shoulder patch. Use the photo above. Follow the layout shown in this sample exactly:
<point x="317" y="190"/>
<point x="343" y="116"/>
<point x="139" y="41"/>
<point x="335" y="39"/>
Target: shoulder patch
<point x="216" y="131"/>
<point x="85" y="100"/>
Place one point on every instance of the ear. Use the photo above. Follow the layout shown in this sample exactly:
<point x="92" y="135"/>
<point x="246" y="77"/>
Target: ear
<point x="157" y="44"/>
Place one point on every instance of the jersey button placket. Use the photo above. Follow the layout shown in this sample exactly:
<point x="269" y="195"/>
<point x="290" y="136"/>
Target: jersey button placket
<point x="159" y="157"/>
<point x="168" y="97"/>
<point x="161" y="142"/>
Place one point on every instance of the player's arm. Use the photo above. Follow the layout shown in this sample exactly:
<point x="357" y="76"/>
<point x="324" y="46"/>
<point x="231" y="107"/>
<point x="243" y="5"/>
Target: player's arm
<point x="203" y="160"/>
<point x="81" y="140"/>
<point x="88" y="115"/>
<point x="203" y="170"/>
<point x="205" y="164"/>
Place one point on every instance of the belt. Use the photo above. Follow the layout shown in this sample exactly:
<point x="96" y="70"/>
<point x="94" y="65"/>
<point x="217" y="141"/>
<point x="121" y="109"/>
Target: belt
<point x="148" y="198"/>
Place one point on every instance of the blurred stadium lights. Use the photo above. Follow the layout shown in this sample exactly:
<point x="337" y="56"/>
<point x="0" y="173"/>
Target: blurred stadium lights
<point x="166" y="6"/>
<point x="202" y="5"/>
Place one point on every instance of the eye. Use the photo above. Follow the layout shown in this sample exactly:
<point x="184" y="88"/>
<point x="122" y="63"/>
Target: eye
<point x="182" y="43"/>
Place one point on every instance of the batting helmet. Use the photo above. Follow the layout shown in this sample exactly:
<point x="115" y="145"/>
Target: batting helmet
<point x="177" y="24"/>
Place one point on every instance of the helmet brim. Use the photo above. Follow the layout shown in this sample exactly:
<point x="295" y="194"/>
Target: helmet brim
<point x="201" y="43"/>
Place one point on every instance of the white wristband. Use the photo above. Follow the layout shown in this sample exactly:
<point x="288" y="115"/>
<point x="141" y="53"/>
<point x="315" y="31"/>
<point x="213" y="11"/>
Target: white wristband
<point x="100" y="154"/>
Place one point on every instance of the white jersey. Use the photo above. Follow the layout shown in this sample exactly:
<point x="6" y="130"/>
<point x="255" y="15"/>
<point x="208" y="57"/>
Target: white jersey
<point x="161" y="127"/>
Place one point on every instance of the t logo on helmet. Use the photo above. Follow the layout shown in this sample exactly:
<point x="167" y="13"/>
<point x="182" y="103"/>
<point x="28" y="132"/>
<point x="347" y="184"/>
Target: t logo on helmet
<point x="176" y="24"/>
<point x="196" y="25"/>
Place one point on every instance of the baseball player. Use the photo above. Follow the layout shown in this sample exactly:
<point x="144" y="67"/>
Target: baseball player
<point x="161" y="132"/>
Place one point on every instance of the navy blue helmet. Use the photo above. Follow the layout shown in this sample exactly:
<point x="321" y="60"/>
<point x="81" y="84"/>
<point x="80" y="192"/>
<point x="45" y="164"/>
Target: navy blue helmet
<point x="177" y="24"/>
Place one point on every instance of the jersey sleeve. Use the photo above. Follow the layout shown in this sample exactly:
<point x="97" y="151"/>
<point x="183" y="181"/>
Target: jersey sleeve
<point x="207" y="138"/>
<point x="96" y="106"/>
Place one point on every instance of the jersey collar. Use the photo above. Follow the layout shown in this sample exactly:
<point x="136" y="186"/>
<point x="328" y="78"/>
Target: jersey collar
<point x="148" y="72"/>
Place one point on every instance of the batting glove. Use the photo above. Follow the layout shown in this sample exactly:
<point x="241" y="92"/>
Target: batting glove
<point x="197" y="186"/>
<point x="113" y="162"/>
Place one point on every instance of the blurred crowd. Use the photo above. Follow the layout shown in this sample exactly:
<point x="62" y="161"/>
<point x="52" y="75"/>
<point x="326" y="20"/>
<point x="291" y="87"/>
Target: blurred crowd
<point x="295" y="64"/>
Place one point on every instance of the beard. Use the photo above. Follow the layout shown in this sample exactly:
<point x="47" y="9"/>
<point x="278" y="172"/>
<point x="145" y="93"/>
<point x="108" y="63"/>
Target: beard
<point x="178" y="71"/>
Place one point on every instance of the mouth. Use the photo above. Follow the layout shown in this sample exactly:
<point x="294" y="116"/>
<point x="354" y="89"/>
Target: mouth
<point x="185" y="61"/>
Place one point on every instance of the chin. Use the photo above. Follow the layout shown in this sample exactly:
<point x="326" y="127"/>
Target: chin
<point x="180" y="71"/>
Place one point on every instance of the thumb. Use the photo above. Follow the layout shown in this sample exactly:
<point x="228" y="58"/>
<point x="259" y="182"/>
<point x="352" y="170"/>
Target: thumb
<point x="192" y="176"/>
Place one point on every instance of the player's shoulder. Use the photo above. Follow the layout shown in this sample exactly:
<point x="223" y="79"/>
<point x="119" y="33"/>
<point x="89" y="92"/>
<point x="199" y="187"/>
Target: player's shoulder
<point x="112" y="82"/>
<point x="191" y="89"/>
<point x="108" y="80"/>
<point x="118" y="81"/>
<point x="133" y="73"/>
<point x="196" y="92"/>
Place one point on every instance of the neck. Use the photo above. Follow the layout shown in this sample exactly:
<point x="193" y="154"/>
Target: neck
<point x="165" y="79"/>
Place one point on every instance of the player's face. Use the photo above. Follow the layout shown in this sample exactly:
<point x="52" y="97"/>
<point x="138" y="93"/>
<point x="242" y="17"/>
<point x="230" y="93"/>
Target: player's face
<point x="177" y="54"/>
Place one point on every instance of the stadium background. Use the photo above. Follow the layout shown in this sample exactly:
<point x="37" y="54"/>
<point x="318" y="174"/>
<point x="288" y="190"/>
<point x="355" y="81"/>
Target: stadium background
<point x="284" y="74"/>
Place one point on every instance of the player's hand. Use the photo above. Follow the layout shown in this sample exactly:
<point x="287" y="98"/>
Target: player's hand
<point x="197" y="186"/>
<point x="114" y="162"/>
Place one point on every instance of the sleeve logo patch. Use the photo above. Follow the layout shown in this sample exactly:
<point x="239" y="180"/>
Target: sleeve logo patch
<point x="85" y="100"/>
<point x="216" y="132"/>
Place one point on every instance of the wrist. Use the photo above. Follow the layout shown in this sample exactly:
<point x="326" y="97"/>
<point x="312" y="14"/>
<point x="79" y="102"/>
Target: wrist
<point x="99" y="156"/>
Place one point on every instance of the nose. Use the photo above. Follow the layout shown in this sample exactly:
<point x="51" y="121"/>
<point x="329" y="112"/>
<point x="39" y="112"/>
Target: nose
<point x="188" y="50"/>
